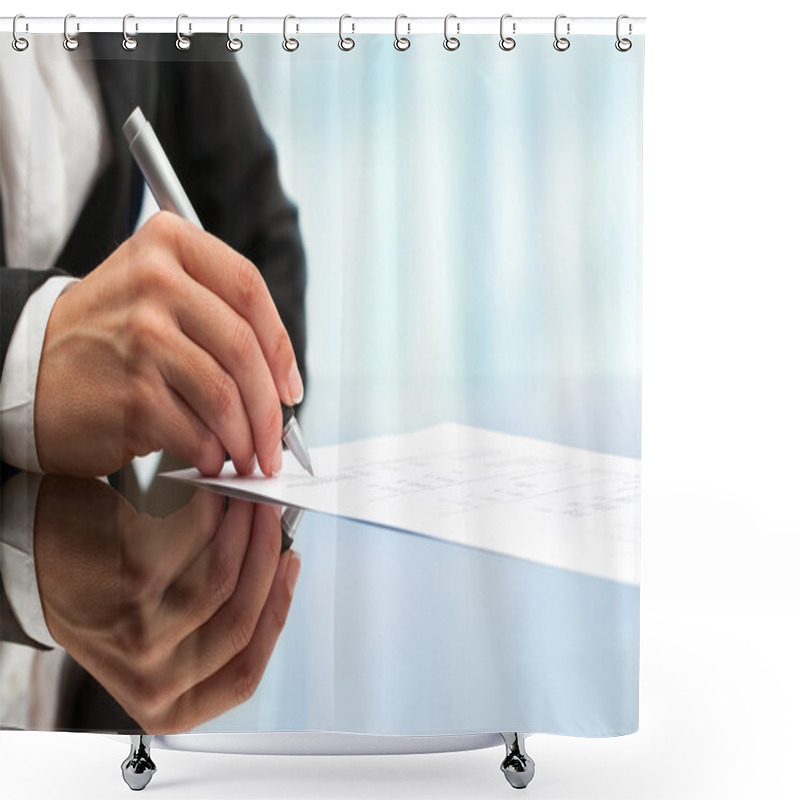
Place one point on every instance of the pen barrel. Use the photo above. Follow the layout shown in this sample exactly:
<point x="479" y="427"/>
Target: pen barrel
<point x="156" y="168"/>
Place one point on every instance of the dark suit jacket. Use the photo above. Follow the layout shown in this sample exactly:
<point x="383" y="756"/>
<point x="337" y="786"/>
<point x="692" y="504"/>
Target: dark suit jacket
<point x="201" y="109"/>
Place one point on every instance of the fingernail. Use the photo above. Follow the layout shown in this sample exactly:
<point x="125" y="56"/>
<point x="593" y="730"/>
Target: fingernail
<point x="251" y="466"/>
<point x="292" y="571"/>
<point x="276" y="462"/>
<point x="295" y="384"/>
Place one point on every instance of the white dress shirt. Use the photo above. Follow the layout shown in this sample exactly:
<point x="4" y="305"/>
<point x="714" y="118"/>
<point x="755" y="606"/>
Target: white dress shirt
<point x="54" y="143"/>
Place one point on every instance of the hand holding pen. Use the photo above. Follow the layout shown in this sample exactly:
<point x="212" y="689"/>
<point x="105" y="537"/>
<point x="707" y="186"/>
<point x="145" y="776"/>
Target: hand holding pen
<point x="170" y="195"/>
<point x="173" y="343"/>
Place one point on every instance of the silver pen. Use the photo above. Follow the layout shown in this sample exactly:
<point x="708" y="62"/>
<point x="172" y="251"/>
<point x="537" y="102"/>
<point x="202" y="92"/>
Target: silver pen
<point x="170" y="196"/>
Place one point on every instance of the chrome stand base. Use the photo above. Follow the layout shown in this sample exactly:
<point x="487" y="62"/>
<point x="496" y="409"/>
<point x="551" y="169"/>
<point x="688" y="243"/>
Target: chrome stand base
<point x="517" y="766"/>
<point x="138" y="768"/>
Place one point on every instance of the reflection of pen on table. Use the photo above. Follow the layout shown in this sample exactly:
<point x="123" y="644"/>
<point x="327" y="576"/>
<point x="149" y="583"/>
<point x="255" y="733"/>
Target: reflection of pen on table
<point x="170" y="196"/>
<point x="290" y="519"/>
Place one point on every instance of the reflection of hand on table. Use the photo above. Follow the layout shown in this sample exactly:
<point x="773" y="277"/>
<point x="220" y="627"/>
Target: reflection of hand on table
<point x="176" y="618"/>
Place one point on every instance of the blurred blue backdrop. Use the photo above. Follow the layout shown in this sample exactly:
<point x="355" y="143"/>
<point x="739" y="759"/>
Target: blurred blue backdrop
<point x="472" y="222"/>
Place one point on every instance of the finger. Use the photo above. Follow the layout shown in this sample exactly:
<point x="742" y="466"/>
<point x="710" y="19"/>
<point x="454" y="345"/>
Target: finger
<point x="239" y="283"/>
<point x="211" y="392"/>
<point x="209" y="581"/>
<point x="237" y="681"/>
<point x="179" y="431"/>
<point x="229" y="631"/>
<point x="230" y="339"/>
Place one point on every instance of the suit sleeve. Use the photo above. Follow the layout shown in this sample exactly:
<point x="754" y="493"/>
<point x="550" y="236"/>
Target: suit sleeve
<point x="16" y="286"/>
<point x="211" y="131"/>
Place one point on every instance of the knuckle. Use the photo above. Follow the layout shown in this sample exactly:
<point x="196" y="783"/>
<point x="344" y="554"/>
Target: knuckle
<point x="240" y="632"/>
<point x="140" y="404"/>
<point x="162" y="225"/>
<point x="145" y="323"/>
<point x="146" y="657"/>
<point x="226" y="394"/>
<point x="159" y="278"/>
<point x="243" y="344"/>
<point x="224" y="581"/>
<point x="160" y="694"/>
<point x="247" y="682"/>
<point x="279" y="613"/>
<point x="282" y="351"/>
<point x="250" y="284"/>
<point x="138" y="587"/>
<point x="146" y="333"/>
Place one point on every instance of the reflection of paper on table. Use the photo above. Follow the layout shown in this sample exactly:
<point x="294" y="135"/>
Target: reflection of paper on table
<point x="534" y="500"/>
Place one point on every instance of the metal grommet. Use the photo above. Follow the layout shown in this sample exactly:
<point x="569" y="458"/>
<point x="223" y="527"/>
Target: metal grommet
<point x="400" y="42"/>
<point x="233" y="44"/>
<point x="451" y="42"/>
<point x="290" y="45"/>
<point x="182" y="42"/>
<point x="345" y="42"/>
<point x="507" y="42"/>
<point x="19" y="43"/>
<point x="128" y="42"/>
<point x="561" y="43"/>
<point x="623" y="45"/>
<point x="70" y="42"/>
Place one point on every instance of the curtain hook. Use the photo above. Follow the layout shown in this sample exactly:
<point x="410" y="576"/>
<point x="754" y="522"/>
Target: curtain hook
<point x="70" y="42"/>
<point x="18" y="42"/>
<point x="182" y="42"/>
<point x="451" y="42"/>
<point x="233" y="44"/>
<point x="128" y="42"/>
<point x="623" y="45"/>
<point x="346" y="43"/>
<point x="561" y="43"/>
<point x="290" y="45"/>
<point x="506" y="42"/>
<point x="401" y="42"/>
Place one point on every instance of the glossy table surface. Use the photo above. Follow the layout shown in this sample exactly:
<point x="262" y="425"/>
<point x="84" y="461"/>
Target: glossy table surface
<point x="169" y="618"/>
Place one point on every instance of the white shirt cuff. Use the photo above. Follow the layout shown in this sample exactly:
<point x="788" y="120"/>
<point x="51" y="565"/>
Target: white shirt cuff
<point x="18" y="504"/>
<point x="20" y="372"/>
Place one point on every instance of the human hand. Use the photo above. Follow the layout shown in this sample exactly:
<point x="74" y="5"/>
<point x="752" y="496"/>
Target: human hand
<point x="176" y="618"/>
<point x="173" y="343"/>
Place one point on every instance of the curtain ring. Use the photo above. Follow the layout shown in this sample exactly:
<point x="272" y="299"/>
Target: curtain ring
<point x="400" y="42"/>
<point x="233" y="44"/>
<point x="561" y="43"/>
<point x="346" y="43"/>
<point x="451" y="42"/>
<point x="128" y="42"/>
<point x="18" y="42"/>
<point x="289" y="45"/>
<point x="182" y="42"/>
<point x="623" y="45"/>
<point x="70" y="42"/>
<point x="506" y="42"/>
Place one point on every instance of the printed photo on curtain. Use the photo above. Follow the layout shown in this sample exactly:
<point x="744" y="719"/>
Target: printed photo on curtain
<point x="320" y="410"/>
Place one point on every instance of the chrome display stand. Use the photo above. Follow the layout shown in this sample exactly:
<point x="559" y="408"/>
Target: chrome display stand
<point x="139" y="768"/>
<point x="517" y="766"/>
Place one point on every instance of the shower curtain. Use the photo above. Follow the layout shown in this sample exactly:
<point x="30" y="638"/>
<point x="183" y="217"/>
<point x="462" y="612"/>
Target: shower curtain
<point x="452" y="237"/>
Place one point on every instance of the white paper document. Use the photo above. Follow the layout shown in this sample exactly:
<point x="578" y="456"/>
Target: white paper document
<point x="543" y="502"/>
